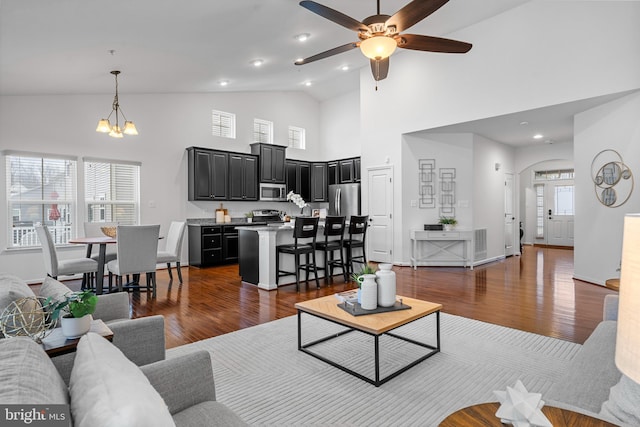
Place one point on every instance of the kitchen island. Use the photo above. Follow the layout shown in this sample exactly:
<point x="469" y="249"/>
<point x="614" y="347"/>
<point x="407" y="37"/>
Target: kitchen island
<point x="257" y="255"/>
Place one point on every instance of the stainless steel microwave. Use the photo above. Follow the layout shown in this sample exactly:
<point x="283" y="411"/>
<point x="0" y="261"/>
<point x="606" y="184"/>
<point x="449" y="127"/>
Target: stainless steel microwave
<point x="273" y="192"/>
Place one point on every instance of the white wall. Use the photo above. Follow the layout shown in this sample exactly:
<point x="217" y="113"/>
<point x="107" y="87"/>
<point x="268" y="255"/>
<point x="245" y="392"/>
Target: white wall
<point x="535" y="55"/>
<point x="598" y="229"/>
<point x="168" y="123"/>
<point x="340" y="126"/>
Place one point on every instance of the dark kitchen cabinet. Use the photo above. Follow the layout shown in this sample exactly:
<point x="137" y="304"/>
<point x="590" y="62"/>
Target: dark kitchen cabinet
<point x="243" y="177"/>
<point x="319" y="187"/>
<point x="356" y="169"/>
<point x="205" y="245"/>
<point x="229" y="244"/>
<point x="333" y="175"/>
<point x="208" y="172"/>
<point x="299" y="178"/>
<point x="346" y="171"/>
<point x="272" y="162"/>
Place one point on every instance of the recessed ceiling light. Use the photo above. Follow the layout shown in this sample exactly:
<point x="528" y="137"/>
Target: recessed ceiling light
<point x="257" y="62"/>
<point x="538" y="136"/>
<point x="345" y="68"/>
<point x="302" y="37"/>
<point x="524" y="123"/>
<point x="299" y="60"/>
<point x="307" y="83"/>
<point x="223" y="82"/>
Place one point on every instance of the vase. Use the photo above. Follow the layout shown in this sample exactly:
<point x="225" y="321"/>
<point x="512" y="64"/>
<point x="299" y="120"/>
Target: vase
<point x="386" y="279"/>
<point x="448" y="227"/>
<point x="76" y="327"/>
<point x="368" y="291"/>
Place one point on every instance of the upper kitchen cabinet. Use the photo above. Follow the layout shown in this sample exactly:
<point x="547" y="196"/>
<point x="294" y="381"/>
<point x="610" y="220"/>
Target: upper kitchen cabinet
<point x="349" y="170"/>
<point x="243" y="176"/>
<point x="272" y="162"/>
<point x="333" y="173"/>
<point x="319" y="182"/>
<point x="356" y="169"/>
<point x="208" y="174"/>
<point x="299" y="178"/>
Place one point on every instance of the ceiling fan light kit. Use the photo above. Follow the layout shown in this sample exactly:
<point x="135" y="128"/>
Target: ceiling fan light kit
<point x="115" y="131"/>
<point x="380" y="34"/>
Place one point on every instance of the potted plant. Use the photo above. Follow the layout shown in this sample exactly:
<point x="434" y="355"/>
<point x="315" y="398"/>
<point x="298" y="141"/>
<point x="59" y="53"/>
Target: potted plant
<point x="448" y="222"/>
<point x="74" y="310"/>
<point x="249" y="216"/>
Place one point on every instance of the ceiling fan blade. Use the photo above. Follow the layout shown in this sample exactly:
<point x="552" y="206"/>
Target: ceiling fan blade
<point x="413" y="13"/>
<point x="335" y="16"/>
<point x="432" y="44"/>
<point x="328" y="53"/>
<point x="380" y="68"/>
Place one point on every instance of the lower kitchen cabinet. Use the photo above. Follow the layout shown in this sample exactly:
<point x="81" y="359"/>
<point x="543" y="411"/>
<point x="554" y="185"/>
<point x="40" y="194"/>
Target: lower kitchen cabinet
<point x="205" y="245"/>
<point x="229" y="243"/>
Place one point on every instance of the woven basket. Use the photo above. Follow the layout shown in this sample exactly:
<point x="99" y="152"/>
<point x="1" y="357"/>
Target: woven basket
<point x="109" y="231"/>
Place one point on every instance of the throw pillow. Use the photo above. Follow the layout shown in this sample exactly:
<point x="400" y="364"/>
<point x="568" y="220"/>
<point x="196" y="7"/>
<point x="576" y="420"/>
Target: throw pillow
<point x="107" y="389"/>
<point x="28" y="376"/>
<point x="623" y="402"/>
<point x="54" y="289"/>
<point x="12" y="288"/>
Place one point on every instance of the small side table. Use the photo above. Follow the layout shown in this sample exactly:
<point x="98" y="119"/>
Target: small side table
<point x="56" y="344"/>
<point x="484" y="415"/>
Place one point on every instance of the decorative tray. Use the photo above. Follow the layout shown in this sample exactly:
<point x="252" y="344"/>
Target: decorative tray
<point x="356" y="310"/>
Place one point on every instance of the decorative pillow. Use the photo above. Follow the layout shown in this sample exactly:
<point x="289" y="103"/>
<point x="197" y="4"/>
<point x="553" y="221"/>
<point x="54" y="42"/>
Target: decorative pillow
<point x="107" y="389"/>
<point x="12" y="288"/>
<point x="623" y="402"/>
<point x="28" y="376"/>
<point x="53" y="288"/>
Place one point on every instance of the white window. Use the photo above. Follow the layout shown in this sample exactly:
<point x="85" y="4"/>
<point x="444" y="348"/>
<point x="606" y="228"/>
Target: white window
<point x="296" y="137"/>
<point x="539" y="188"/>
<point x="224" y="124"/>
<point x="564" y="200"/>
<point x="40" y="189"/>
<point x="111" y="191"/>
<point x="262" y="131"/>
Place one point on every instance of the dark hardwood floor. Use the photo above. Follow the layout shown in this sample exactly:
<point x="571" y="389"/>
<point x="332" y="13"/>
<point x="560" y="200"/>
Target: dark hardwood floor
<point x="534" y="292"/>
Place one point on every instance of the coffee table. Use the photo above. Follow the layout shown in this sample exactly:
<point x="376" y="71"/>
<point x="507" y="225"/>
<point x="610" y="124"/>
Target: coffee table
<point x="56" y="344"/>
<point x="372" y="324"/>
<point x="484" y="415"/>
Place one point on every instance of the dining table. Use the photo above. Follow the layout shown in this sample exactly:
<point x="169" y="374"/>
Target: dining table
<point x="103" y="242"/>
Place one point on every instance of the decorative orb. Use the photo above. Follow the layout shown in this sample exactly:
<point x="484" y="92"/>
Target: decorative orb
<point x="109" y="231"/>
<point x="27" y="317"/>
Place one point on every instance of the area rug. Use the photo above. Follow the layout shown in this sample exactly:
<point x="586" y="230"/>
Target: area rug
<point x="261" y="375"/>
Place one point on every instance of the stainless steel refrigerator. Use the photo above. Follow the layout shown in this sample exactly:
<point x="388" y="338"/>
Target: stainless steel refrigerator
<point x="344" y="199"/>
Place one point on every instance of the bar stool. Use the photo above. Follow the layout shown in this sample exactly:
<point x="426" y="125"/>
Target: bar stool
<point x="305" y="228"/>
<point x="357" y="227"/>
<point x="333" y="226"/>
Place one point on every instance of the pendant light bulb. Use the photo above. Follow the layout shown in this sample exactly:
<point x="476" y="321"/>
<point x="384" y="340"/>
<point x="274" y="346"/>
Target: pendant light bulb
<point x="378" y="47"/>
<point x="115" y="131"/>
<point x="103" y="126"/>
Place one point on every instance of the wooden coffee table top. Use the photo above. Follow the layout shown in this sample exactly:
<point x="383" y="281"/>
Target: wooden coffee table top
<point x="484" y="415"/>
<point x="379" y="323"/>
<point x="56" y="344"/>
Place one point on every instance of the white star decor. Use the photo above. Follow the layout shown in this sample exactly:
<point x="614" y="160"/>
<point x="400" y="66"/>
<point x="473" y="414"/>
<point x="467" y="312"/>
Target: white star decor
<point x="521" y="408"/>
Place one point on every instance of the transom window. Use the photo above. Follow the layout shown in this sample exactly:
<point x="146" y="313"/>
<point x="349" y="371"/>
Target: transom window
<point x="111" y="191"/>
<point x="554" y="175"/>
<point x="262" y="131"/>
<point x="40" y="189"/>
<point x="224" y="124"/>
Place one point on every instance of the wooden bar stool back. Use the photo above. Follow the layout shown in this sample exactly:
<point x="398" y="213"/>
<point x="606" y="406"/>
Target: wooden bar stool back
<point x="356" y="240"/>
<point x="333" y="239"/>
<point x="304" y="243"/>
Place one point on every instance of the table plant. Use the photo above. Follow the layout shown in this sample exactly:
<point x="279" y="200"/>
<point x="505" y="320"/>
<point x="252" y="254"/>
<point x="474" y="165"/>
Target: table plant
<point x="448" y="222"/>
<point x="74" y="310"/>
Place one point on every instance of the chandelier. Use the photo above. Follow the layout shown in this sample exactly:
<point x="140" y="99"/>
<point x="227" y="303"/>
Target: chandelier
<point x="104" y="125"/>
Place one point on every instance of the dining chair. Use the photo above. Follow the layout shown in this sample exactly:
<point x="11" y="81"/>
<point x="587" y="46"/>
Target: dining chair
<point x="356" y="240"/>
<point x="137" y="247"/>
<point x="66" y="267"/>
<point x="173" y="248"/>
<point x="304" y="243"/>
<point x="93" y="229"/>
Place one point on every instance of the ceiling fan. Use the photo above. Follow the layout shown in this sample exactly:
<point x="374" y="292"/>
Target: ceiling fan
<point x="380" y="34"/>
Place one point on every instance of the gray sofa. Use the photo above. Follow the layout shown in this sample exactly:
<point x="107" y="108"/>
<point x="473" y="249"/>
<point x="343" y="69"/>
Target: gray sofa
<point x="184" y="384"/>
<point x="587" y="384"/>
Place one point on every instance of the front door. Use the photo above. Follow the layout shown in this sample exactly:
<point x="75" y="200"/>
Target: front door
<point x="380" y="196"/>
<point x="559" y="213"/>
<point x="509" y="216"/>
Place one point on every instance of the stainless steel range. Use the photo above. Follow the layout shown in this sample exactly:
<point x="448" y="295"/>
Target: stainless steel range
<point x="267" y="215"/>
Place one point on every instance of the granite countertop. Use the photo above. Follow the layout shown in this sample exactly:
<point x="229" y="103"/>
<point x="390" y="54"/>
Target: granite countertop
<point x="212" y="221"/>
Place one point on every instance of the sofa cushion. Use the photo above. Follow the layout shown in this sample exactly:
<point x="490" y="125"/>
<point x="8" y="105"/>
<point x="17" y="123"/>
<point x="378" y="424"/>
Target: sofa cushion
<point x="116" y="394"/>
<point x="28" y="376"/>
<point x="210" y="413"/>
<point x="622" y="405"/>
<point x="592" y="372"/>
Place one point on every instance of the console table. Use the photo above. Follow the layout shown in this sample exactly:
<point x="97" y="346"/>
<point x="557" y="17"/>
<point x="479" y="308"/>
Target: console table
<point x="441" y="248"/>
